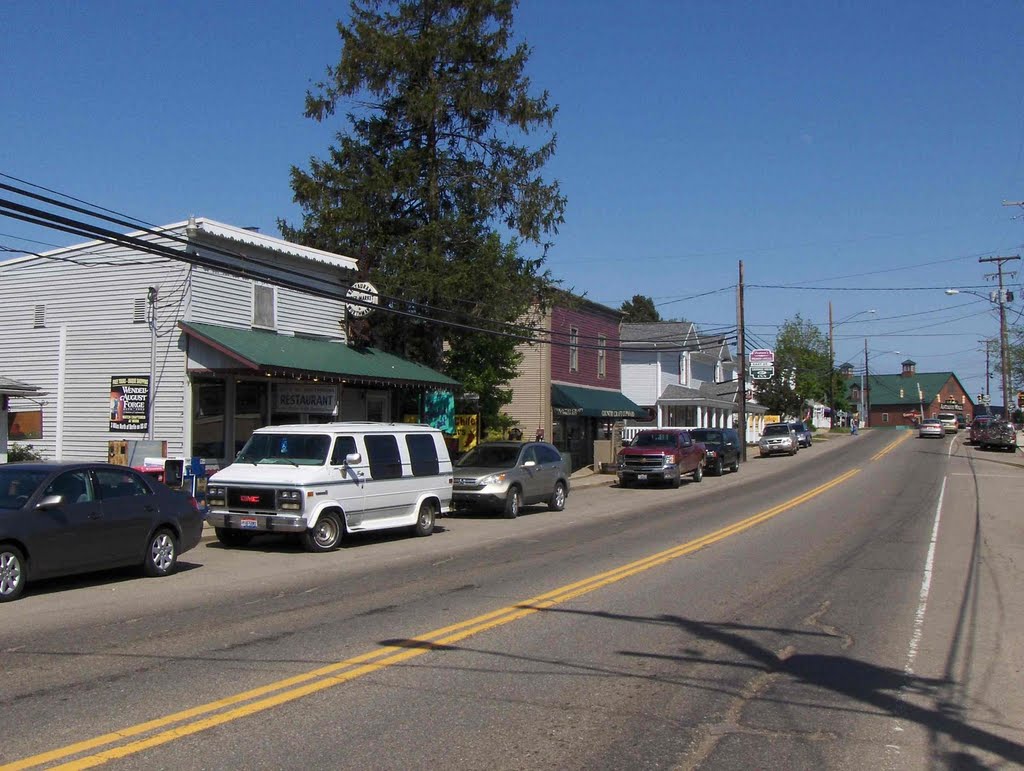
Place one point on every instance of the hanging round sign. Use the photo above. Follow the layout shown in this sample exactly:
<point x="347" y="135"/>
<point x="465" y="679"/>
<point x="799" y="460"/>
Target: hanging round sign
<point x="365" y="296"/>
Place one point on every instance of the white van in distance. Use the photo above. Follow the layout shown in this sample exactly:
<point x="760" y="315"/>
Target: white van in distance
<point x="323" y="480"/>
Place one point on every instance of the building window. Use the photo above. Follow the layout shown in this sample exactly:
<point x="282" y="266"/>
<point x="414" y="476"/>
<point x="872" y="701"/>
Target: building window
<point x="39" y="317"/>
<point x="574" y="349"/>
<point x="250" y="409"/>
<point x="208" y="418"/>
<point x="602" y="356"/>
<point x="264" y="306"/>
<point x="885" y="417"/>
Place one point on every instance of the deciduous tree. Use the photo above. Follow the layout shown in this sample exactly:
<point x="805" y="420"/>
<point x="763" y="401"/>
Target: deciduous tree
<point x="802" y="369"/>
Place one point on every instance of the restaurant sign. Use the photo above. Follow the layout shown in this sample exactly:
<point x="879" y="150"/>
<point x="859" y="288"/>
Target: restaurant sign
<point x="311" y="399"/>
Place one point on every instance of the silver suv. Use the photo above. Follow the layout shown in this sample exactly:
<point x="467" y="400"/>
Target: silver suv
<point x="778" y="438"/>
<point x="503" y="476"/>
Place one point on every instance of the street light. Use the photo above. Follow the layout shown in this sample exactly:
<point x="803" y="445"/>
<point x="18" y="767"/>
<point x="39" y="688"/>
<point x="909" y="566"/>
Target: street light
<point x="1000" y="297"/>
<point x="832" y="359"/>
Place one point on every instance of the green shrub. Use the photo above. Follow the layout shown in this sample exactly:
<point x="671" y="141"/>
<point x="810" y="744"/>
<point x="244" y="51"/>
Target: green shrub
<point x="22" y="452"/>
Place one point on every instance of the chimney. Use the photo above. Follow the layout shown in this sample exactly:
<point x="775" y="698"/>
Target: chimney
<point x="846" y="371"/>
<point x="909" y="368"/>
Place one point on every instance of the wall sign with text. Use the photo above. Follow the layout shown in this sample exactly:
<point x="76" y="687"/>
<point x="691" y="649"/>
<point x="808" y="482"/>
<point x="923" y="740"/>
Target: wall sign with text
<point x="129" y="403"/>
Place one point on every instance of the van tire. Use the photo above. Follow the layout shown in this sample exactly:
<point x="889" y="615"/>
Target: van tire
<point x="230" y="538"/>
<point x="325" y="535"/>
<point x="513" y="502"/>
<point x="425" y="519"/>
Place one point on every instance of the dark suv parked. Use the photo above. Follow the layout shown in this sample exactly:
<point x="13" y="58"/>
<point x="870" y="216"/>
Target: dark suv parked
<point x="722" y="446"/>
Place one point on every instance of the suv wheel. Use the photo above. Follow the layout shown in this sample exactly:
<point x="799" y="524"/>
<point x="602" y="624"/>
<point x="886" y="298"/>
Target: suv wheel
<point x="513" y="501"/>
<point x="719" y="468"/>
<point x="698" y="473"/>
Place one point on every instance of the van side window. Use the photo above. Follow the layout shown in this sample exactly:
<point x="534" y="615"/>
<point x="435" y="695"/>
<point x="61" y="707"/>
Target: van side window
<point x="423" y="454"/>
<point x="382" y="454"/>
<point x="343" y="446"/>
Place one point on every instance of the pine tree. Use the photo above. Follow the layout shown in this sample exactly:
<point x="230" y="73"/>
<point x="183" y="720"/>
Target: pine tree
<point x="427" y="185"/>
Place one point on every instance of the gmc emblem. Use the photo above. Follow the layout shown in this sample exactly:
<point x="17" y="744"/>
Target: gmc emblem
<point x="249" y="498"/>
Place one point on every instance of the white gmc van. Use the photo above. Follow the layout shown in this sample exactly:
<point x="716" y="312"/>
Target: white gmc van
<point x="323" y="480"/>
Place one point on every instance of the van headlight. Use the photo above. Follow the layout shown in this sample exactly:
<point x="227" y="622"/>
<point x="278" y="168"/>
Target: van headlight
<point x="216" y="495"/>
<point x="289" y="500"/>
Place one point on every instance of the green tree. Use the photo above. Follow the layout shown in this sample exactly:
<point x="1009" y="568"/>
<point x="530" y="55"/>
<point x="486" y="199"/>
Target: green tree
<point x="802" y="369"/>
<point x="435" y="184"/>
<point x="641" y="308"/>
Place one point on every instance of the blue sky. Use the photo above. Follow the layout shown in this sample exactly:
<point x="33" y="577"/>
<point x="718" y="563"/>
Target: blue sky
<point x="849" y="147"/>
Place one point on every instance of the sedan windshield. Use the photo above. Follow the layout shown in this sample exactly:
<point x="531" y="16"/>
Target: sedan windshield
<point x="17" y="484"/>
<point x="296" y="449"/>
<point x="490" y="456"/>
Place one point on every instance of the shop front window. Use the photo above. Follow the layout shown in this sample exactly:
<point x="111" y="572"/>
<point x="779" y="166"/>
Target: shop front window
<point x="250" y="410"/>
<point x="208" y="418"/>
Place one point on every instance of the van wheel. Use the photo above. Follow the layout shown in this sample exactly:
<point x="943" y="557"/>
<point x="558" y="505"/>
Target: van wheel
<point x="230" y="537"/>
<point x="698" y="473"/>
<point x="325" y="535"/>
<point x="12" y="573"/>
<point x="513" y="501"/>
<point x="557" y="502"/>
<point x="425" y="519"/>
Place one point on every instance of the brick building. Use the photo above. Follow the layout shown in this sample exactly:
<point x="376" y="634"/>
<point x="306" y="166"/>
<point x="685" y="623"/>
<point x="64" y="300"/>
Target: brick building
<point x="904" y="399"/>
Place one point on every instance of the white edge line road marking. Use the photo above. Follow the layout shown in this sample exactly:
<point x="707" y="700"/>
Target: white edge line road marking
<point x="922" y="606"/>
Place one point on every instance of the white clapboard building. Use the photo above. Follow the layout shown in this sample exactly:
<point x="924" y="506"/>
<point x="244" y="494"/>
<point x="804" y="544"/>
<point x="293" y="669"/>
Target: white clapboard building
<point x="195" y="348"/>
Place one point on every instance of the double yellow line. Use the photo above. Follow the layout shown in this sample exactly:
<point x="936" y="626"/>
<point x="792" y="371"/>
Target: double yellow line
<point x="215" y="713"/>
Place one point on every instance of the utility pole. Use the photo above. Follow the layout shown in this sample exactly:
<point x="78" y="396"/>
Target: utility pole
<point x="741" y="343"/>
<point x="988" y="375"/>
<point x="1002" y="327"/>
<point x="864" y="386"/>
<point x="831" y="372"/>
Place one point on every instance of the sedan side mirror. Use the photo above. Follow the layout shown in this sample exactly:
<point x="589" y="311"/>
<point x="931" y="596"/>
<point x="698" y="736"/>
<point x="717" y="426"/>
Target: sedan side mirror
<point x="50" y="501"/>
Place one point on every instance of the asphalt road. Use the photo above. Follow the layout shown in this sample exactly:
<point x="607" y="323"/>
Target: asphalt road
<point x="856" y="606"/>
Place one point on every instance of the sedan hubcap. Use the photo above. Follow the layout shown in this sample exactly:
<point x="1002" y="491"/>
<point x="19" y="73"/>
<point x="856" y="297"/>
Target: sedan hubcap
<point x="163" y="552"/>
<point x="10" y="573"/>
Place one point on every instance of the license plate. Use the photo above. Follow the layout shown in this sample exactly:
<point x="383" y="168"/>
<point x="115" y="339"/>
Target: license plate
<point x="248" y="523"/>
<point x="641" y="477"/>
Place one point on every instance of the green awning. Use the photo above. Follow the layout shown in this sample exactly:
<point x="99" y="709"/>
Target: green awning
<point x="271" y="353"/>
<point x="567" y="401"/>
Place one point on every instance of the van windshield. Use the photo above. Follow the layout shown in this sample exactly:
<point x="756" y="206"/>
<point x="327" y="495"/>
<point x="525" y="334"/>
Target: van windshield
<point x="294" y="449"/>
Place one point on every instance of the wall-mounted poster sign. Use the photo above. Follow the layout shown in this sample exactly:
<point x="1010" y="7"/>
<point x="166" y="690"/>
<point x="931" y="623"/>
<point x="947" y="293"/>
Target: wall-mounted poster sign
<point x="129" y="403"/>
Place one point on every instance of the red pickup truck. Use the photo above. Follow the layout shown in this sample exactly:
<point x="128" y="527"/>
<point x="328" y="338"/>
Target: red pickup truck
<point x="661" y="455"/>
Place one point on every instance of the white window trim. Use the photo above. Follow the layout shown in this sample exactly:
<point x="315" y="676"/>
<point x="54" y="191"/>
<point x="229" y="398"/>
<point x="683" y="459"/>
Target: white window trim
<point x="574" y="349"/>
<point x="602" y="357"/>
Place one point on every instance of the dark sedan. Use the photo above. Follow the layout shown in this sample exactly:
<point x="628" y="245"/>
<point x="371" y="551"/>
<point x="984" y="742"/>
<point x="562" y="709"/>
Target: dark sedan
<point x="63" y="518"/>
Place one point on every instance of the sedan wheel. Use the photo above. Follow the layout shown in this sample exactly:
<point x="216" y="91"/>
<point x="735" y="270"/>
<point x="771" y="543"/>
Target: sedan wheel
<point x="161" y="554"/>
<point x="12" y="573"/>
